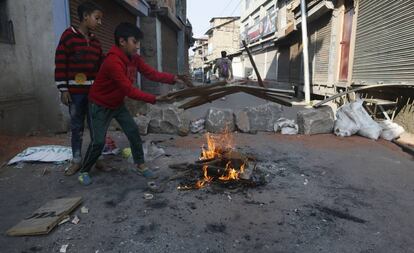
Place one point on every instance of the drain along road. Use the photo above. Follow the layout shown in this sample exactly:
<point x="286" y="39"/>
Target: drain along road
<point x="324" y="194"/>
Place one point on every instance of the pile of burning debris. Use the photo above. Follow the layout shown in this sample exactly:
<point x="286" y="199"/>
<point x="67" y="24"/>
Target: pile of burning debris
<point x="220" y="164"/>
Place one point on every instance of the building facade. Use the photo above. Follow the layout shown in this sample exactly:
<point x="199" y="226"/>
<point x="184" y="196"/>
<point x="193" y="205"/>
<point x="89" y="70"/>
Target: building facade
<point x="223" y="35"/>
<point x="259" y="31"/>
<point x="351" y="42"/>
<point x="167" y="38"/>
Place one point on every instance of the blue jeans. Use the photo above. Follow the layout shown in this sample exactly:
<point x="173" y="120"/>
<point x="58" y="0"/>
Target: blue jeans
<point x="78" y="110"/>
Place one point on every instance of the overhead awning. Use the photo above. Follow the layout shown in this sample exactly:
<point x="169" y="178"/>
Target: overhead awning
<point x="137" y="7"/>
<point x="314" y="12"/>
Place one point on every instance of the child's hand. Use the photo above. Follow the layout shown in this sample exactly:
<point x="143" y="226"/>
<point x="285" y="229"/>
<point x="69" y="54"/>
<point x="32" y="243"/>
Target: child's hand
<point x="65" y="98"/>
<point x="184" y="79"/>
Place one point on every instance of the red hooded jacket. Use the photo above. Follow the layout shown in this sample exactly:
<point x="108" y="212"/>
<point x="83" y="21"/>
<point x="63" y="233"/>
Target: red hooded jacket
<point x="116" y="76"/>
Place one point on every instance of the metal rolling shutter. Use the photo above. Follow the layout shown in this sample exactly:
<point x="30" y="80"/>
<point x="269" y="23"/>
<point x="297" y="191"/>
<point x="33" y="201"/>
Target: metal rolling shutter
<point x="319" y="50"/>
<point x="113" y="15"/>
<point x="271" y="64"/>
<point x="295" y="74"/>
<point x="169" y="49"/>
<point x="283" y="65"/>
<point x="384" y="50"/>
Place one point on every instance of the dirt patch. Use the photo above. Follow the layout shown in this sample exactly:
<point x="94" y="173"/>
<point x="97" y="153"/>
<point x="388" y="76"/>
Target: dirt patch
<point x="12" y="145"/>
<point x="190" y="142"/>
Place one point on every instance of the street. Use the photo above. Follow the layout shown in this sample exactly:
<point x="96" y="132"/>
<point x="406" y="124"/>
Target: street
<point x="324" y="194"/>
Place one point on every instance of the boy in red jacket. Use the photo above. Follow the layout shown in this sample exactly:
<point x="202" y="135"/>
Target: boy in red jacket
<point x="114" y="82"/>
<point x="77" y="60"/>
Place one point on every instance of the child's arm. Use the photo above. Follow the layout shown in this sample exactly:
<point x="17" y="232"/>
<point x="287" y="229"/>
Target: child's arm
<point x="116" y="73"/>
<point x="61" y="68"/>
<point x="151" y="73"/>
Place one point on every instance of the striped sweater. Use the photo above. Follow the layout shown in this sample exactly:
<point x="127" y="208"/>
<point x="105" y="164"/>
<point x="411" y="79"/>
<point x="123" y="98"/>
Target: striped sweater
<point x="77" y="61"/>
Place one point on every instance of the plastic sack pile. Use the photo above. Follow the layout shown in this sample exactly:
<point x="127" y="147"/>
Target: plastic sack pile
<point x="353" y="119"/>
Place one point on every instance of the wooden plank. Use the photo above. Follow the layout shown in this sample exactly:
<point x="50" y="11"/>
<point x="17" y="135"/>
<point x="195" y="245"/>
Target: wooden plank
<point x="259" y="78"/>
<point x="44" y="219"/>
<point x="377" y="86"/>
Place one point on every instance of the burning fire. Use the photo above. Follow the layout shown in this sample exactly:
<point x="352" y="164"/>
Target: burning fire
<point x="217" y="148"/>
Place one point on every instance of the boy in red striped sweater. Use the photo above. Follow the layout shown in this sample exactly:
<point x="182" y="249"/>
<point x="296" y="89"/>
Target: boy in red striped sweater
<point x="77" y="61"/>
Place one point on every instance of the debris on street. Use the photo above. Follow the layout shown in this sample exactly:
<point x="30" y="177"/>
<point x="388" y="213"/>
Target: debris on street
<point x="84" y="210"/>
<point x="75" y="220"/>
<point x="353" y="118"/>
<point x="64" y="248"/>
<point x="49" y="153"/>
<point x="64" y="220"/>
<point x="148" y="196"/>
<point x="44" y="219"/>
<point x="286" y="126"/>
<point x="197" y="126"/>
<point x="110" y="147"/>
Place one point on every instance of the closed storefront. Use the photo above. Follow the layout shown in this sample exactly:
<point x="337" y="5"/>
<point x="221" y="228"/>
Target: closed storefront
<point x="114" y="13"/>
<point x="319" y="47"/>
<point x="384" y="48"/>
<point x="283" y="70"/>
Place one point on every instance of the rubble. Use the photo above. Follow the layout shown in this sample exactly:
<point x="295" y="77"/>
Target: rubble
<point x="197" y="126"/>
<point x="220" y="120"/>
<point x="75" y="220"/>
<point x="84" y="210"/>
<point x="316" y="121"/>
<point x="148" y="196"/>
<point x="143" y="123"/>
<point x="286" y="126"/>
<point x="63" y="248"/>
<point x="259" y="118"/>
<point x="169" y="120"/>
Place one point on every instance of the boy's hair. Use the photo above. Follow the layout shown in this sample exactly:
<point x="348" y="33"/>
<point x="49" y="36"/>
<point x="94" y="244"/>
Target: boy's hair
<point x="223" y="54"/>
<point x="87" y="7"/>
<point x="126" y="30"/>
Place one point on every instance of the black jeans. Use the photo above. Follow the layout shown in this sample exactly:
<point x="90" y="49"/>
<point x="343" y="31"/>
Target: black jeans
<point x="100" y="118"/>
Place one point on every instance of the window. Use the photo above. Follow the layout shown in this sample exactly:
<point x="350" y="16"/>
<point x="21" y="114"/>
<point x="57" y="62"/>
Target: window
<point x="256" y="20"/>
<point x="247" y="4"/>
<point x="6" y="25"/>
<point x="270" y="11"/>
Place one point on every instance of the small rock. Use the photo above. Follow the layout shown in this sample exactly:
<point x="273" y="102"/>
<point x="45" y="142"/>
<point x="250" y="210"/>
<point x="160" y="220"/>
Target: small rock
<point x="75" y="220"/>
<point x="64" y="248"/>
<point x="84" y="210"/>
<point x="148" y="196"/>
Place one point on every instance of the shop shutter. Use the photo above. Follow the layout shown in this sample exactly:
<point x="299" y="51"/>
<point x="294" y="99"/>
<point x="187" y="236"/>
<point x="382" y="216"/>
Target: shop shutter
<point x="114" y="14"/>
<point x="319" y="47"/>
<point x="384" y="49"/>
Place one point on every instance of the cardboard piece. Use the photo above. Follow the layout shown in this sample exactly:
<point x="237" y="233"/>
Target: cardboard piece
<point x="44" y="219"/>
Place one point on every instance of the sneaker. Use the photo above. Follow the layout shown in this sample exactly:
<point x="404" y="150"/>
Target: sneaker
<point x="74" y="167"/>
<point x="146" y="172"/>
<point x="84" y="178"/>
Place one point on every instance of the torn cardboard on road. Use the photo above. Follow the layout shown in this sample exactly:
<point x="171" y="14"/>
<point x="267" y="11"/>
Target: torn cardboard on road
<point x="44" y="219"/>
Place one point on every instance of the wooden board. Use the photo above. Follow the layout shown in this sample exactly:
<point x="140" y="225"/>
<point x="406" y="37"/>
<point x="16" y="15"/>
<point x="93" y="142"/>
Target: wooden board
<point x="44" y="219"/>
<point x="368" y="87"/>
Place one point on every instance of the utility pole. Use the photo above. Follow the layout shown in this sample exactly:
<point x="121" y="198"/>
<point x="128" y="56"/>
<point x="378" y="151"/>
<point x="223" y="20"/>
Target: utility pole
<point x="305" y="43"/>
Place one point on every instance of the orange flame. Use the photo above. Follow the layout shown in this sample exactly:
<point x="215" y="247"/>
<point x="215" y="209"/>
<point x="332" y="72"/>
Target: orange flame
<point x="217" y="147"/>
